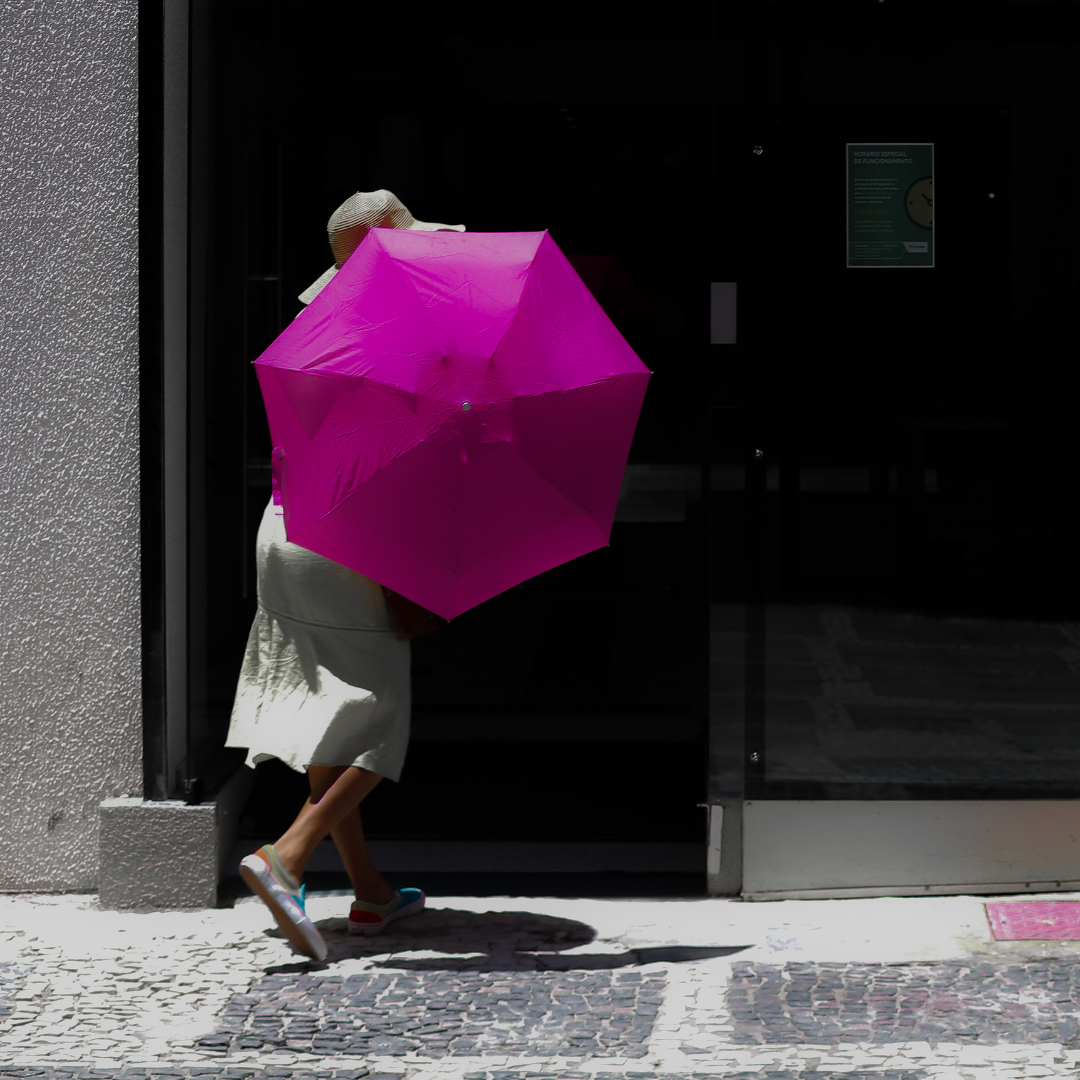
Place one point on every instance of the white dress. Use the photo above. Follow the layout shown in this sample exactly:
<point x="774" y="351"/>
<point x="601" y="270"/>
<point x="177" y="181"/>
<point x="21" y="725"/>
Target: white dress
<point x="324" y="680"/>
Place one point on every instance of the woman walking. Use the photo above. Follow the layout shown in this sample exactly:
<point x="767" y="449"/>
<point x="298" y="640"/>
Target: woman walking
<point x="324" y="685"/>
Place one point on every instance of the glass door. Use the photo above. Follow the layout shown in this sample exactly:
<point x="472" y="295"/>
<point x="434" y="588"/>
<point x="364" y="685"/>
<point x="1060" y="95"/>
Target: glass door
<point x="895" y="611"/>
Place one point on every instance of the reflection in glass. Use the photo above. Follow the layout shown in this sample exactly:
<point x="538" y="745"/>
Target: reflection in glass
<point x="858" y="695"/>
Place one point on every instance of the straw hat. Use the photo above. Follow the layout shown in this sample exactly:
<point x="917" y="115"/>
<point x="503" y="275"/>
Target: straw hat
<point x="349" y="223"/>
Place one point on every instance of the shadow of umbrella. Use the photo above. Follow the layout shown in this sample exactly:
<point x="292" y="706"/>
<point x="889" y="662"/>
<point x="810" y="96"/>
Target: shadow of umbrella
<point x="492" y="941"/>
<point x="675" y="954"/>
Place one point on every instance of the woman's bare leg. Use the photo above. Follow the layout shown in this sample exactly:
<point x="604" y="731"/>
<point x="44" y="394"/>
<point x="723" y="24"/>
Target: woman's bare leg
<point x="367" y="882"/>
<point x="336" y="793"/>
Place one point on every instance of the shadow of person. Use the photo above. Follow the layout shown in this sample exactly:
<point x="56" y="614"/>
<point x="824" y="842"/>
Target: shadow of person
<point x="446" y="939"/>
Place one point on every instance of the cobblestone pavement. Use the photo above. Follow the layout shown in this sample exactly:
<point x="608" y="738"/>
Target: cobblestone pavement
<point x="946" y="1002"/>
<point x="567" y="1014"/>
<point x="494" y="989"/>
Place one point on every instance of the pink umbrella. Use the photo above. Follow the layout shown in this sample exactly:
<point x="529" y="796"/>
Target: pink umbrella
<point x="451" y="415"/>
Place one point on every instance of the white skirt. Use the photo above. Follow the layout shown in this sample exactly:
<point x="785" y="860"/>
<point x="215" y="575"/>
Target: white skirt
<point x="324" y="680"/>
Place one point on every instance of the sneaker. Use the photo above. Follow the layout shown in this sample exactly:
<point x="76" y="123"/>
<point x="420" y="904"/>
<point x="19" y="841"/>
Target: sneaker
<point x="277" y="888"/>
<point x="371" y="919"/>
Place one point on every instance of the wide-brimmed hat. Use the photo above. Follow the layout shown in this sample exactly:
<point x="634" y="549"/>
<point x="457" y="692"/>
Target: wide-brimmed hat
<point x="349" y="223"/>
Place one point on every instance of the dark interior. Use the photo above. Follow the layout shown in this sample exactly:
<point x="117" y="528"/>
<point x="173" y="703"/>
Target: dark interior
<point x="574" y="706"/>
<point x="917" y="451"/>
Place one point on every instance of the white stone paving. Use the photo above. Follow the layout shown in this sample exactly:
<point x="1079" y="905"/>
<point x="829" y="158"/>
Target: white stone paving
<point x="108" y="989"/>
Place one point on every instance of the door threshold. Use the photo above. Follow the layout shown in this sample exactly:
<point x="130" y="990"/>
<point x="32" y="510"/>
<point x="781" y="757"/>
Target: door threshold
<point x="1005" y="888"/>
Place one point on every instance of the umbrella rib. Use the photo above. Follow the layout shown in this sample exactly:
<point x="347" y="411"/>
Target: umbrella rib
<point x="322" y="517"/>
<point x="585" y="512"/>
<point x="356" y="490"/>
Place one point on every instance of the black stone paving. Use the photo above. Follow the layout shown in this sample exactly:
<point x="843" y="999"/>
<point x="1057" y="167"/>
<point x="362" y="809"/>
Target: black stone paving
<point x="955" y="1001"/>
<point x="444" y="1013"/>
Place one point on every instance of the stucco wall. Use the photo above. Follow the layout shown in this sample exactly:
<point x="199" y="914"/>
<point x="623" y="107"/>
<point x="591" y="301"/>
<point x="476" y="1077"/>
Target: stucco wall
<point x="70" y="728"/>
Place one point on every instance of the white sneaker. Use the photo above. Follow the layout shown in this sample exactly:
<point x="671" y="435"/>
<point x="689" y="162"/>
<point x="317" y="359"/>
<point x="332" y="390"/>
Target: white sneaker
<point x="277" y="888"/>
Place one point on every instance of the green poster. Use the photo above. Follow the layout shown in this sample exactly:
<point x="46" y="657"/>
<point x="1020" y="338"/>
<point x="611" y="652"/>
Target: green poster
<point x="890" y="204"/>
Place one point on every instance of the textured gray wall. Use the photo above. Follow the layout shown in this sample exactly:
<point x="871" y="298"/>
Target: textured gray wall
<point x="70" y="728"/>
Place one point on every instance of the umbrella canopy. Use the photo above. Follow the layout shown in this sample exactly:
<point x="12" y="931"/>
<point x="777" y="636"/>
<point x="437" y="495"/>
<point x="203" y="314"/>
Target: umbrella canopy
<point x="451" y="415"/>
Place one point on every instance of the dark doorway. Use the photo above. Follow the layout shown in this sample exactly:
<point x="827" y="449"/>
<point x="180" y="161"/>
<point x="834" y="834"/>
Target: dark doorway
<point x="574" y="706"/>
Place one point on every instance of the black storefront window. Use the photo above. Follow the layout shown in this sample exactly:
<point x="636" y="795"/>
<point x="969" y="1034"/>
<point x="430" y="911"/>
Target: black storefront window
<point x="903" y="625"/>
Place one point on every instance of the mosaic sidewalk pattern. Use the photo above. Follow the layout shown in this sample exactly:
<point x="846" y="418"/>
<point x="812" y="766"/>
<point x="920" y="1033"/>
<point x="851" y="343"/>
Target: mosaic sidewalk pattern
<point x="754" y="1074"/>
<point x="164" y="1072"/>
<point x="46" y="1073"/>
<point x="11" y="979"/>
<point x="564" y="1013"/>
<point x="941" y="1002"/>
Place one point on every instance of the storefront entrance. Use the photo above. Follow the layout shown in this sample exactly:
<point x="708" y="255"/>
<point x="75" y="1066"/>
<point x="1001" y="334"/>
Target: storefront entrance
<point x="838" y="606"/>
<point x="574" y="707"/>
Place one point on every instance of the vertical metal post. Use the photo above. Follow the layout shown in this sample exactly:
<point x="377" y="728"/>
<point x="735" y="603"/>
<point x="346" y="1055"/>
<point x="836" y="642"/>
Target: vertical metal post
<point x="245" y="358"/>
<point x="176" y="45"/>
<point x="754" y="662"/>
<point x="714" y="855"/>
<point x="151" y="403"/>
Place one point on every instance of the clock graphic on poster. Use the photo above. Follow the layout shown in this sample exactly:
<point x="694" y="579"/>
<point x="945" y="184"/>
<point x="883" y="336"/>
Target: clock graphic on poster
<point x="919" y="202"/>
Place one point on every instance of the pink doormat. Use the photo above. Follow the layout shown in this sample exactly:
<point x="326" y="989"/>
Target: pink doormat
<point x="1035" y="920"/>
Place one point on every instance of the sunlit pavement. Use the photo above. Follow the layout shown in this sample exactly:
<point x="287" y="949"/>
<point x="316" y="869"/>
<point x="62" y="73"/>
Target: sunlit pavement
<point x="483" y="989"/>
